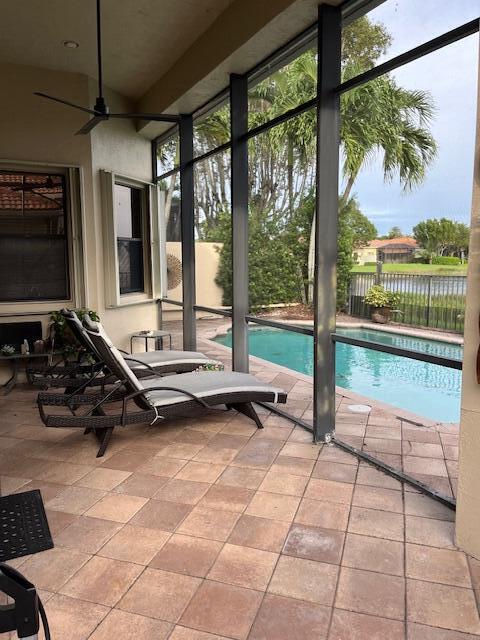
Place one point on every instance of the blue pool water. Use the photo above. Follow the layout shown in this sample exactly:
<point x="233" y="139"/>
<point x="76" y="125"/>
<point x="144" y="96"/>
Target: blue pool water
<point x="429" y="390"/>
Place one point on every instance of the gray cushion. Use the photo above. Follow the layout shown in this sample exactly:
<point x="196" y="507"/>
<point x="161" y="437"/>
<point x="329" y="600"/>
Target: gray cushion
<point x="204" y="384"/>
<point x="165" y="358"/>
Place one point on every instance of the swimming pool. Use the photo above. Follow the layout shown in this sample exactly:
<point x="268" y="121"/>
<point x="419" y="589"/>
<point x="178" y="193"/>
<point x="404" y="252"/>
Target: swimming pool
<point x="429" y="390"/>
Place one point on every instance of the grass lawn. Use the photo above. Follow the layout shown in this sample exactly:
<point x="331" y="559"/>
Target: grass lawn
<point x="423" y="269"/>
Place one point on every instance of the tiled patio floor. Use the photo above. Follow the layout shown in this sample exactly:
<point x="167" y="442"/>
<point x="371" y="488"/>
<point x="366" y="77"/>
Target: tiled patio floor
<point x="203" y="529"/>
<point x="425" y="450"/>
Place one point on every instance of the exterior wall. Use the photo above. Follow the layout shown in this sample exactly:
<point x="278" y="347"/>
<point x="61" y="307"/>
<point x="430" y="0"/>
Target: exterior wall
<point x="36" y="131"/>
<point x="468" y="499"/>
<point x="118" y="147"/>
<point x="365" y="254"/>
<point x="207" y="259"/>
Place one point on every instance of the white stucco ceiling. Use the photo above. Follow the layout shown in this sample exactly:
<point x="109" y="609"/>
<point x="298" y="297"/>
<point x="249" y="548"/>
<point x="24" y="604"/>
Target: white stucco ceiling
<point x="141" y="38"/>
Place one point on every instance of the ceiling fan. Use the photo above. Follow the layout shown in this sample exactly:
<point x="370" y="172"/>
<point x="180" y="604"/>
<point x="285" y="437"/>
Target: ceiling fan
<point x="100" y="110"/>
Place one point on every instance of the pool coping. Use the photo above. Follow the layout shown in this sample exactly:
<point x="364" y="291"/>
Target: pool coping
<point x="402" y="414"/>
<point x="416" y="332"/>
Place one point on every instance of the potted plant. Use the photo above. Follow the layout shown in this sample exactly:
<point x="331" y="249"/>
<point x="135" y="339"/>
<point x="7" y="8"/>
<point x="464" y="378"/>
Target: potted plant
<point x="60" y="336"/>
<point x="383" y="303"/>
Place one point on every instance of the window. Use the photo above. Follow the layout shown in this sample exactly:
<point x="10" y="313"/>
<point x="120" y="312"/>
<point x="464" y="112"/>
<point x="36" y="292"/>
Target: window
<point x="130" y="234"/>
<point x="33" y="238"/>
<point x="131" y="239"/>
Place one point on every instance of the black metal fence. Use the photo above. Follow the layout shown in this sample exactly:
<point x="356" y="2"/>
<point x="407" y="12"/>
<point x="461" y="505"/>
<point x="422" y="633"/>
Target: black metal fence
<point x="425" y="300"/>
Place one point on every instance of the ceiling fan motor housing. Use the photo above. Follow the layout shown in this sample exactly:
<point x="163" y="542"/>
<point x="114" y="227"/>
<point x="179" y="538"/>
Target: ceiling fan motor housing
<point x="100" y="106"/>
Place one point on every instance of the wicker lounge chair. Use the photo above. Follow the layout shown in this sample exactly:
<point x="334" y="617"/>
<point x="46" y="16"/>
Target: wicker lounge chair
<point x="156" y="398"/>
<point x="81" y="374"/>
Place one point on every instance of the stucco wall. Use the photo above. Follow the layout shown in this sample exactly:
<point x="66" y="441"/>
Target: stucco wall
<point x="468" y="505"/>
<point x="36" y="131"/>
<point x="207" y="259"/>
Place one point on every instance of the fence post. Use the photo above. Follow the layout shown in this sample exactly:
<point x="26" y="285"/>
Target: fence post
<point x="429" y="299"/>
<point x="378" y="272"/>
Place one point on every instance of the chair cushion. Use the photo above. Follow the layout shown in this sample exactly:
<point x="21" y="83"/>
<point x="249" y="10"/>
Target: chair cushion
<point x="205" y="384"/>
<point x="164" y="358"/>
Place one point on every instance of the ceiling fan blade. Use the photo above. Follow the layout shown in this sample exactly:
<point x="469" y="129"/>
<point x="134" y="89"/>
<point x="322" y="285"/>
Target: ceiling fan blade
<point x="69" y="104"/>
<point x="88" y="126"/>
<point x="160" y="117"/>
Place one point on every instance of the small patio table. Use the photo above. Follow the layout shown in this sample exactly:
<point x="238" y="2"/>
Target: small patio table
<point x="17" y="359"/>
<point x="156" y="334"/>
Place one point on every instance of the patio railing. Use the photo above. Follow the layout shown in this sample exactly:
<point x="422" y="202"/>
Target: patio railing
<point x="425" y="300"/>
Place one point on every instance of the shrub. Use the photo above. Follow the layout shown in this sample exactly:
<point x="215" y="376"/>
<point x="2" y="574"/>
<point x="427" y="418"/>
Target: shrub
<point x="452" y="260"/>
<point x="378" y="296"/>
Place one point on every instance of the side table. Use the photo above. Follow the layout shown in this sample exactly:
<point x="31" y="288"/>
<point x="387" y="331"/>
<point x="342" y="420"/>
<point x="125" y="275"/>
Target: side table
<point x="154" y="334"/>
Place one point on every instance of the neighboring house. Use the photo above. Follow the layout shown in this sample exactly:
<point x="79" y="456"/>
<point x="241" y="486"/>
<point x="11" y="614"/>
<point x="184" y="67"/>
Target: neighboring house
<point x="401" y="249"/>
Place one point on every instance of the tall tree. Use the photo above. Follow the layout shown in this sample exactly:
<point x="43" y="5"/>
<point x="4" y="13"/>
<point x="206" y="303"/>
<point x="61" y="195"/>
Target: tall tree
<point x="395" y="232"/>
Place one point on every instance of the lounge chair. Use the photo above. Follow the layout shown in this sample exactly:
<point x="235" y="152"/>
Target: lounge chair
<point x="75" y="375"/>
<point x="156" y="398"/>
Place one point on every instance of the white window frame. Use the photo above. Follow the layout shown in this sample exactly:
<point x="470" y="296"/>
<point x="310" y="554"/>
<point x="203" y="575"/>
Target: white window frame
<point x="151" y="245"/>
<point x="75" y="241"/>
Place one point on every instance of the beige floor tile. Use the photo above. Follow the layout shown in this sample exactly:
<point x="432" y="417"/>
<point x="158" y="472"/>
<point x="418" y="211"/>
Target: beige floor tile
<point x="421" y="632"/>
<point x="370" y="476"/>
<point x="103" y="479"/>
<point x="102" y="580"/>
<point x="429" y="466"/>
<point x="259" y="533"/>
<point x="200" y="471"/>
<point x="87" y="534"/>
<point x="314" y="543"/>
<point x="126" y="460"/>
<point x="182" y="450"/>
<point x="160" y="514"/>
<point x="443" y="606"/>
<point x="116" y="507"/>
<point x="374" y="554"/>
<point x="334" y="471"/>
<point x="241" y="477"/>
<point x="329" y="490"/>
<point x="126" y="626"/>
<point x="50" y="569"/>
<point x="305" y="580"/>
<point x="379" y="524"/>
<point x="62" y="472"/>
<point x="347" y="625"/>
<point x="183" y="633"/>
<point x="282" y="618"/>
<point x="417" y="504"/>
<point x="378" y="498"/>
<point x="437" y="565"/>
<point x="227" y="498"/>
<point x="372" y="593"/>
<point x="188" y="555"/>
<point x="284" y="483"/>
<point x="244" y="567"/>
<point x="163" y="467"/>
<point x="294" y="466"/>
<point x="273" y="506"/>
<point x="301" y="450"/>
<point x="209" y="523"/>
<point x="434" y="533"/>
<point x="160" y="594"/>
<point x="73" y="619"/>
<point x="138" y="484"/>
<point x="182" y="491"/>
<point x="222" y="609"/>
<point x="75" y="500"/>
<point x="318" y="513"/>
<point x="135" y="544"/>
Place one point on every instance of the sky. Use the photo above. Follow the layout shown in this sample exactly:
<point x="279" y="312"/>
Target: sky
<point x="450" y="75"/>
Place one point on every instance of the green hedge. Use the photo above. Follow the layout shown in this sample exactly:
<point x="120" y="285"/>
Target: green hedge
<point x="446" y="260"/>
